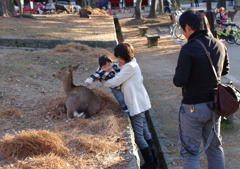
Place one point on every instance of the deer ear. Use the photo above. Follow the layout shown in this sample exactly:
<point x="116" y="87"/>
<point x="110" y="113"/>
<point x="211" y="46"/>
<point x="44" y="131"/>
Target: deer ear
<point x="75" y="67"/>
<point x="69" y="68"/>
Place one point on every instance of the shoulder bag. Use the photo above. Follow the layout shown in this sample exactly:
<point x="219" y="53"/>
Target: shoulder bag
<point x="227" y="97"/>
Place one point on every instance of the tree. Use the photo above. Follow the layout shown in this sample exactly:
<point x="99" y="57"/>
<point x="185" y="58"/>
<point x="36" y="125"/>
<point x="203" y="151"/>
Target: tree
<point x="19" y="7"/>
<point x="152" y="13"/>
<point x="138" y="10"/>
<point x="221" y="3"/>
<point x="82" y="3"/>
<point x="176" y="4"/>
<point x="161" y="6"/>
<point x="6" y="8"/>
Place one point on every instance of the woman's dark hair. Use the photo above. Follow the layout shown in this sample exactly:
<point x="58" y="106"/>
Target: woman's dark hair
<point x="125" y="51"/>
<point x="191" y="19"/>
<point x="103" y="60"/>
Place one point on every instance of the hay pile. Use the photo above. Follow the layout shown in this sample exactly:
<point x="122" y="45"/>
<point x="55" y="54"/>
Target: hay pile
<point x="10" y="113"/>
<point x="30" y="143"/>
<point x="81" y="50"/>
<point x="49" y="161"/>
<point x="55" y="108"/>
<point x="96" y="11"/>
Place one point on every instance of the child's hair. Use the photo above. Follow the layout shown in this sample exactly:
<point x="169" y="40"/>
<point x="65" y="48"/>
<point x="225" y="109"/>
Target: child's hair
<point x="103" y="60"/>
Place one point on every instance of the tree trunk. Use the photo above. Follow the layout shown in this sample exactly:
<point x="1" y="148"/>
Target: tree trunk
<point x="19" y="6"/>
<point x="82" y="3"/>
<point x="221" y="3"/>
<point x="161" y="6"/>
<point x="138" y="10"/>
<point x="6" y="8"/>
<point x="152" y="13"/>
<point x="176" y="4"/>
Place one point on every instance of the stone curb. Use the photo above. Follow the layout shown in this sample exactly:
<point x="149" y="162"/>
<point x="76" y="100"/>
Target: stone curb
<point x="48" y="43"/>
<point x="132" y="153"/>
<point x="161" y="141"/>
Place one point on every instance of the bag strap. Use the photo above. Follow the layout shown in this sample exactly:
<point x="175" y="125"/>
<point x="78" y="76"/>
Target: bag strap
<point x="209" y="58"/>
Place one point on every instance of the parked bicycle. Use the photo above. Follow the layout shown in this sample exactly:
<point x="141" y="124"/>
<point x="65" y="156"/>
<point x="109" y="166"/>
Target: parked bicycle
<point x="175" y="28"/>
<point x="229" y="32"/>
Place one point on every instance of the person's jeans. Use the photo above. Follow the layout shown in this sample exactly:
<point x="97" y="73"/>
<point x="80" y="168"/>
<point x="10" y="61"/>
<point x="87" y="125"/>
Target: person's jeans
<point x="119" y="96"/>
<point x="167" y="9"/>
<point x="195" y="124"/>
<point x="140" y="129"/>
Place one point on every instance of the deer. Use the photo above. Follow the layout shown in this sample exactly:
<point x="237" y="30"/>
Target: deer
<point x="231" y="14"/>
<point x="80" y="102"/>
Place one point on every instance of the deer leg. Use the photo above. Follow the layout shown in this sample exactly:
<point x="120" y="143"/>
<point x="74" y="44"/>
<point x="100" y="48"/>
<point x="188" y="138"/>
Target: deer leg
<point x="69" y="114"/>
<point x="79" y="115"/>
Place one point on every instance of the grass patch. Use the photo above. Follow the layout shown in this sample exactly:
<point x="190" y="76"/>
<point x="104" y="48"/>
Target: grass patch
<point x="226" y="124"/>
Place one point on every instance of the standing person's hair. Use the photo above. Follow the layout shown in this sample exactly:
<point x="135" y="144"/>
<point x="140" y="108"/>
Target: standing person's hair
<point x="125" y="51"/>
<point x="204" y="24"/>
<point x="103" y="60"/>
<point x="191" y="19"/>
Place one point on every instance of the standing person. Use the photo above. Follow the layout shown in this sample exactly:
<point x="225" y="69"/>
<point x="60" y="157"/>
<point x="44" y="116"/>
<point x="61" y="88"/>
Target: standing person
<point x="195" y="76"/>
<point x="196" y="3"/>
<point x="136" y="98"/>
<point x="191" y="3"/>
<point x="107" y="70"/>
<point x="204" y="24"/>
<point x="167" y="4"/>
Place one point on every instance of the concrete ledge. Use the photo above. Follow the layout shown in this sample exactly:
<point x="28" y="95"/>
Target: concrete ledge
<point x="49" y="43"/>
<point x="161" y="142"/>
<point x="132" y="153"/>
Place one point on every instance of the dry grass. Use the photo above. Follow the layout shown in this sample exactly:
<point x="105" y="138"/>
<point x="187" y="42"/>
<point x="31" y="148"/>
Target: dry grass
<point x="95" y="11"/>
<point x="81" y="50"/>
<point x="82" y="143"/>
<point x="55" y="108"/>
<point x="10" y="113"/>
<point x="78" y="143"/>
<point x="29" y="143"/>
<point x="72" y="47"/>
<point x="49" y="161"/>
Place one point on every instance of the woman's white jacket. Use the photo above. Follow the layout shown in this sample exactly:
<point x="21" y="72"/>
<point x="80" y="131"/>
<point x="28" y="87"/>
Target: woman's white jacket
<point x="131" y="81"/>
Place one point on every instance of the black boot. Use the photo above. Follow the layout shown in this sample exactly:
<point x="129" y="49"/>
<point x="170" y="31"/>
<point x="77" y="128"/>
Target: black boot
<point x="148" y="158"/>
<point x="150" y="143"/>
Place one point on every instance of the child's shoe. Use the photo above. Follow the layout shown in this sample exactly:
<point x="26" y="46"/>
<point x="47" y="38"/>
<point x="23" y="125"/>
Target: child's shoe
<point x="125" y="109"/>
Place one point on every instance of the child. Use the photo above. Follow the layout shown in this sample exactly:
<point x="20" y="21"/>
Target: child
<point x="107" y="70"/>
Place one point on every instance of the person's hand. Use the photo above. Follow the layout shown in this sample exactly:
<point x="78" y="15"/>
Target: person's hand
<point x="88" y="84"/>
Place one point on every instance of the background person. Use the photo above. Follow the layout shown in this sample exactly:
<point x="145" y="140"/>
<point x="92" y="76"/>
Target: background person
<point x="198" y="83"/>
<point x="136" y="99"/>
<point x="221" y="17"/>
<point x="196" y="3"/>
<point x="204" y="24"/>
<point x="167" y="4"/>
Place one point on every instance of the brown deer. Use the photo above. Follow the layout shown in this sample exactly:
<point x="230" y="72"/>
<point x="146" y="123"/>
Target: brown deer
<point x="80" y="101"/>
<point x="231" y="14"/>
